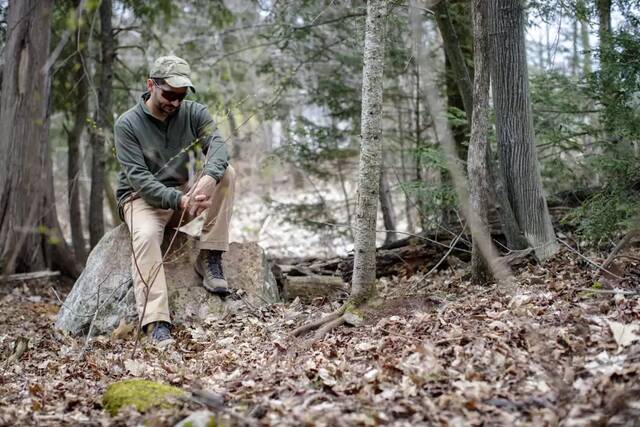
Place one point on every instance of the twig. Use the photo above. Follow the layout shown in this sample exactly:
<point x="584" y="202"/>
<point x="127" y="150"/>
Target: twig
<point x="30" y="276"/>
<point x="621" y="244"/>
<point x="426" y="239"/>
<point x="95" y="315"/>
<point x="609" y="291"/>
<point x="595" y="264"/>
<point x="91" y="314"/>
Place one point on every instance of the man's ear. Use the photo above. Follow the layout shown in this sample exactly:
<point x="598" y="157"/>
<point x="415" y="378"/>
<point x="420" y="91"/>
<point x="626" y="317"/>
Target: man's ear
<point x="149" y="84"/>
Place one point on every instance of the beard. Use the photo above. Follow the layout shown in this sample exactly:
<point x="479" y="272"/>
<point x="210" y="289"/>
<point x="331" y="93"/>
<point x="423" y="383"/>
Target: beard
<point x="165" y="106"/>
<point x="168" y="108"/>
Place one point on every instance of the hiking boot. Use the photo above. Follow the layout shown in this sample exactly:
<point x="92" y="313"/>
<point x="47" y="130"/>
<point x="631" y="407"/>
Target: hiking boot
<point x="160" y="334"/>
<point x="209" y="267"/>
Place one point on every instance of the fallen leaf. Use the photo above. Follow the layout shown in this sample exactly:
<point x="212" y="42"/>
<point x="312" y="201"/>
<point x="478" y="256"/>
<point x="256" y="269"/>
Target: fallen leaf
<point x="326" y="377"/>
<point x="134" y="367"/>
<point x="624" y="334"/>
<point x="123" y="331"/>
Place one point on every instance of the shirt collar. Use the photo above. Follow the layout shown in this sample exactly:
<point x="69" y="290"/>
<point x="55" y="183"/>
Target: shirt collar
<point x="142" y="102"/>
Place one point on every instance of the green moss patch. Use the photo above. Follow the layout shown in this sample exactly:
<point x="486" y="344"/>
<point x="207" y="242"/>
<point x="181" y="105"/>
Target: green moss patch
<point x="141" y="394"/>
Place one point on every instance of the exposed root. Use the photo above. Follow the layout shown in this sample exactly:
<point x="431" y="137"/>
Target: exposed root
<point x="329" y="326"/>
<point x="316" y="324"/>
<point x="349" y="313"/>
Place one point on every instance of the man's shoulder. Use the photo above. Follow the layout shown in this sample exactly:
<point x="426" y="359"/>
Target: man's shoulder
<point x="126" y="118"/>
<point x="194" y="107"/>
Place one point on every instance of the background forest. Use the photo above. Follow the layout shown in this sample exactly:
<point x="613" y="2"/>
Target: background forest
<point x="283" y="82"/>
<point x="540" y="141"/>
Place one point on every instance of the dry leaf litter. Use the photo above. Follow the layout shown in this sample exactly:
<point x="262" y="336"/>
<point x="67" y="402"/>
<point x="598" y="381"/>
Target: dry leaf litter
<point x="433" y="351"/>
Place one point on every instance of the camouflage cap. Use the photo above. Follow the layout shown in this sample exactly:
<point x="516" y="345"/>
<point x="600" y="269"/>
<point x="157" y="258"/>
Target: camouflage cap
<point x="175" y="71"/>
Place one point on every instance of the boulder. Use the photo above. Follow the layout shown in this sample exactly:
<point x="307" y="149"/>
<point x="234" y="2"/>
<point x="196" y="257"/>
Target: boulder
<point x="103" y="294"/>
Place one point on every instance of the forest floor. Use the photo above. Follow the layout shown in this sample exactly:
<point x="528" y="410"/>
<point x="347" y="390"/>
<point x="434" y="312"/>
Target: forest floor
<point x="436" y="351"/>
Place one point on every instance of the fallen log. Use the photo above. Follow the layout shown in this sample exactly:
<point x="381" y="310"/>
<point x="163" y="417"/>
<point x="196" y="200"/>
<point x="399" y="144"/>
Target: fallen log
<point x="45" y="274"/>
<point x="309" y="287"/>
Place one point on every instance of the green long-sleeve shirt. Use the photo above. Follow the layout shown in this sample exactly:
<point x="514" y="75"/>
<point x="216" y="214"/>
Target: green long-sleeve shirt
<point x="152" y="152"/>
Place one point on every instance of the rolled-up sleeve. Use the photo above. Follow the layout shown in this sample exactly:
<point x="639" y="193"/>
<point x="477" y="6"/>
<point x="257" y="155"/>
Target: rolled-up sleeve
<point x="131" y="158"/>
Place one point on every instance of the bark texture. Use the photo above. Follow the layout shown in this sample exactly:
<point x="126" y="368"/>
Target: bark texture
<point x="23" y="130"/>
<point x="477" y="155"/>
<point x="29" y="232"/>
<point x="364" y="265"/>
<point x="514" y="125"/>
<point x="103" y="118"/>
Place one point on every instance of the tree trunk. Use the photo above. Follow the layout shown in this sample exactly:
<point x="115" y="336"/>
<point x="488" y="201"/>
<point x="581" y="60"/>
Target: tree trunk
<point x="575" y="57"/>
<point x="104" y="118"/>
<point x="80" y="113"/>
<point x="112" y="202"/>
<point x="604" y="33"/>
<point x="364" y="265"/>
<point x="386" y="206"/>
<point x="29" y="231"/>
<point x="455" y="56"/>
<point x="514" y="125"/>
<point x="581" y="11"/>
<point x="404" y="175"/>
<point x="508" y="221"/>
<point x="477" y="155"/>
<point x="604" y="19"/>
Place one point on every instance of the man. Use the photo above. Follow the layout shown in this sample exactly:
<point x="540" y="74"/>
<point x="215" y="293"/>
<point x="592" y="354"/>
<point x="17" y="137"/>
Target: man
<point x="152" y="141"/>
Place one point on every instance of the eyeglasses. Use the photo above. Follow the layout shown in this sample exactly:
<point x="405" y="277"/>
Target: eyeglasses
<point x="170" y="95"/>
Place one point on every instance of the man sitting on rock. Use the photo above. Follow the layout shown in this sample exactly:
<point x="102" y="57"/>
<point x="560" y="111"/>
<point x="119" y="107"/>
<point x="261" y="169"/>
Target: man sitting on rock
<point x="152" y="141"/>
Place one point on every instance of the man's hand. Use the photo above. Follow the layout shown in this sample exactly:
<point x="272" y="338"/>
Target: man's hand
<point x="198" y="198"/>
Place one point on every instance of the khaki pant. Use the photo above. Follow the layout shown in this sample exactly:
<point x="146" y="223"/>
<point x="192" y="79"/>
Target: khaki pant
<point x="146" y="225"/>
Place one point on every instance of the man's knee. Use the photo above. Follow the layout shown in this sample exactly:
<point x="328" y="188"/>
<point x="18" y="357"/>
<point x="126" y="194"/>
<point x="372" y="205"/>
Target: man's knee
<point x="146" y="235"/>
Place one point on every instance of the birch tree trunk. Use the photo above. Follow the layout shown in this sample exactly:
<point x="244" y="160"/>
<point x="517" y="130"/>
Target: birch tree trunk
<point x="478" y="144"/>
<point x="514" y="125"/>
<point x="364" y="263"/>
<point x="30" y="237"/>
<point x="104" y="124"/>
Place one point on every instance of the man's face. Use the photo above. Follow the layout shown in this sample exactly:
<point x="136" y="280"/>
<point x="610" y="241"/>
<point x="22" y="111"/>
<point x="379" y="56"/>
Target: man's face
<point x="166" y="98"/>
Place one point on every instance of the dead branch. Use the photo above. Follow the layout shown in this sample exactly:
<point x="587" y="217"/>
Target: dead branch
<point x="32" y="276"/>
<point x="620" y="246"/>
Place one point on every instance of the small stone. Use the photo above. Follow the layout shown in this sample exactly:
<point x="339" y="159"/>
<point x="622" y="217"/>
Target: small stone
<point x="352" y="319"/>
<point x="198" y="419"/>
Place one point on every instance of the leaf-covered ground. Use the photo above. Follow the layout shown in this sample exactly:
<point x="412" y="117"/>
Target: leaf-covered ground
<point x="434" y="351"/>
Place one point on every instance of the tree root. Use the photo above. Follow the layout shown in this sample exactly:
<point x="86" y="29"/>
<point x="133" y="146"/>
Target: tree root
<point x="327" y="327"/>
<point x="344" y="314"/>
<point x="316" y="324"/>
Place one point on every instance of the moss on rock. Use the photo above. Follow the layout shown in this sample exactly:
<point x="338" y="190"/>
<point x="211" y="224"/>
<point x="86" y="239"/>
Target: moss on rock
<point x="141" y="394"/>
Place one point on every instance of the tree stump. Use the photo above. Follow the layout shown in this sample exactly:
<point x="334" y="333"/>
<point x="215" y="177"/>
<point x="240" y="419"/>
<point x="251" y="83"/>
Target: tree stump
<point x="103" y="295"/>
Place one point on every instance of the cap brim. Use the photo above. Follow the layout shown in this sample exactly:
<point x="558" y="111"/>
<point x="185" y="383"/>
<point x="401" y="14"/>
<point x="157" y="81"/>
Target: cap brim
<point x="179" y="81"/>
